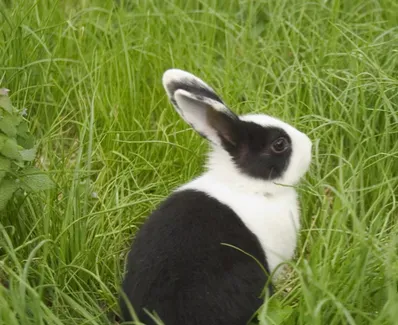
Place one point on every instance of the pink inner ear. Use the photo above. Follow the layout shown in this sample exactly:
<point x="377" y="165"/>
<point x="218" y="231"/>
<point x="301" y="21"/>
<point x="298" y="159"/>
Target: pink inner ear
<point x="243" y="153"/>
<point x="229" y="139"/>
<point x="224" y="125"/>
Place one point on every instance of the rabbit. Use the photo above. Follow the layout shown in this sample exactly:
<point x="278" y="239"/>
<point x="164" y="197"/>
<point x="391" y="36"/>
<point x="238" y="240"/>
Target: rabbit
<point x="204" y="256"/>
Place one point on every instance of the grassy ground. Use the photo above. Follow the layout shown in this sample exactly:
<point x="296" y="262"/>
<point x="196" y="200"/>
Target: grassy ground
<point x="89" y="73"/>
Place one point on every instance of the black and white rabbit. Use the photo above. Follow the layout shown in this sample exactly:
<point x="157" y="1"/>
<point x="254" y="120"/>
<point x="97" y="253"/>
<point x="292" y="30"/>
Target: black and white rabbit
<point x="193" y="261"/>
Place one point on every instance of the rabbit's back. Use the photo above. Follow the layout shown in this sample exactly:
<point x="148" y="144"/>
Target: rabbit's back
<point x="182" y="265"/>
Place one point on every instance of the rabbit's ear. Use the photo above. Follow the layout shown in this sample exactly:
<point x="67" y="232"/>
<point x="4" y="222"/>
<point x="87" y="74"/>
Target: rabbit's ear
<point x="201" y="107"/>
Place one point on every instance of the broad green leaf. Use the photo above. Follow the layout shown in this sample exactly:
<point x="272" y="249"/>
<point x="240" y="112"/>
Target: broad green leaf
<point x="3" y="139"/>
<point x="5" y="102"/>
<point x="8" y="124"/>
<point x="34" y="180"/>
<point x="7" y="189"/>
<point x="10" y="149"/>
<point x="4" y="167"/>
<point x="28" y="154"/>
<point x="23" y="129"/>
<point x="19" y="163"/>
<point x="277" y="313"/>
<point x="27" y="143"/>
<point x="24" y="138"/>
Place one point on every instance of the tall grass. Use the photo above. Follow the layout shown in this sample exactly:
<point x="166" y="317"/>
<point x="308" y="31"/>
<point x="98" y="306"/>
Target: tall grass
<point x="89" y="73"/>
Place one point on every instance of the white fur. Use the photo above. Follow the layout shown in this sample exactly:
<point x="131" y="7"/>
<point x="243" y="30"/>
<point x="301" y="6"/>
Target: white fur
<point x="191" y="110"/>
<point x="173" y="75"/>
<point x="268" y="208"/>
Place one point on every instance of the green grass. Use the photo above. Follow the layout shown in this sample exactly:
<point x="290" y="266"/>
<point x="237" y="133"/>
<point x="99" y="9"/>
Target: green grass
<point x="89" y="72"/>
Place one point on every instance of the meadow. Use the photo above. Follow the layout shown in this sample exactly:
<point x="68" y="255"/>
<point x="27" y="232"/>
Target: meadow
<point x="89" y="73"/>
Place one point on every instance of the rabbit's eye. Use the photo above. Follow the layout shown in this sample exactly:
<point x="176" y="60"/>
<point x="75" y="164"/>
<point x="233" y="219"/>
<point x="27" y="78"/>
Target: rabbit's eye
<point x="280" y="145"/>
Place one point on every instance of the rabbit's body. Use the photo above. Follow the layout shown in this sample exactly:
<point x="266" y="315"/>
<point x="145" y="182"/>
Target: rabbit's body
<point x="179" y="267"/>
<point x="203" y="257"/>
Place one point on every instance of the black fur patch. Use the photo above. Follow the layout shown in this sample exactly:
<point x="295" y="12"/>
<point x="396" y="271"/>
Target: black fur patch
<point x="253" y="154"/>
<point x="179" y="268"/>
<point x="193" y="88"/>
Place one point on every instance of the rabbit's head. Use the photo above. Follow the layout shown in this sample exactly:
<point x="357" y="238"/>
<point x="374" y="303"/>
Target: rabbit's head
<point x="255" y="151"/>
